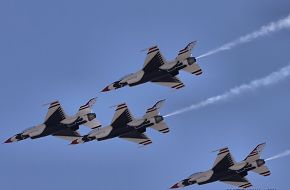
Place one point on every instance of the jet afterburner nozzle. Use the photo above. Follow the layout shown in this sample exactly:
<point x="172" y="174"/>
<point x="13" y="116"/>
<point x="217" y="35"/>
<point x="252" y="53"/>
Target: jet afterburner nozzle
<point x="191" y="60"/>
<point x="158" y="118"/>
<point x="260" y="162"/>
<point x="91" y="116"/>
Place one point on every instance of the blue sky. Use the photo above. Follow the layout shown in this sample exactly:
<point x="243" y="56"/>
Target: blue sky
<point x="70" y="50"/>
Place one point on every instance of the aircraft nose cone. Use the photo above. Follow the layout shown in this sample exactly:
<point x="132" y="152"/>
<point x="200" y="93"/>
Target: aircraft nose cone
<point x="74" y="142"/>
<point x="8" y="141"/>
<point x="106" y="89"/>
<point x="174" y="186"/>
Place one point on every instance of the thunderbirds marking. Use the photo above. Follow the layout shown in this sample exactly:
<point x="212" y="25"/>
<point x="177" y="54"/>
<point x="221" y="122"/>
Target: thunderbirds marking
<point x="58" y="124"/>
<point x="159" y="71"/>
<point x="126" y="127"/>
<point x="226" y="170"/>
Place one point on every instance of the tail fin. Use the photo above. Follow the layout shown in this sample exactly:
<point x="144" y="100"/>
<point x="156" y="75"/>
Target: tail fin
<point x="154" y="110"/>
<point x="85" y="111"/>
<point x="255" y="156"/>
<point x="256" y="153"/>
<point x="185" y="52"/>
<point x="87" y="108"/>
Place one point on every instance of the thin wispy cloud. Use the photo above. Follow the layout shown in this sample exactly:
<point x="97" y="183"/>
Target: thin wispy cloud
<point x="270" y="79"/>
<point x="263" y="31"/>
<point x="281" y="155"/>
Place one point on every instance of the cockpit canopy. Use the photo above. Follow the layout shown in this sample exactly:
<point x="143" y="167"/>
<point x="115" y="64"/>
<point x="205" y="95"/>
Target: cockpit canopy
<point x="126" y="76"/>
<point x="196" y="175"/>
<point x="28" y="129"/>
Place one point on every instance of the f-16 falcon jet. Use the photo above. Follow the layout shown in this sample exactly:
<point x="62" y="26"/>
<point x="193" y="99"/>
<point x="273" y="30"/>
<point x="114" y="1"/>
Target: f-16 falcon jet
<point x="58" y="124"/>
<point x="159" y="71"/>
<point x="226" y="170"/>
<point x="126" y="127"/>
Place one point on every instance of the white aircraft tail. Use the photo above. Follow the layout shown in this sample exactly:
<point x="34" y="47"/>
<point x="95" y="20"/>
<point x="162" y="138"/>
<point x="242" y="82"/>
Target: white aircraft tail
<point x="85" y="111"/>
<point x="255" y="154"/>
<point x="185" y="52"/>
<point x="87" y="108"/>
<point x="154" y="110"/>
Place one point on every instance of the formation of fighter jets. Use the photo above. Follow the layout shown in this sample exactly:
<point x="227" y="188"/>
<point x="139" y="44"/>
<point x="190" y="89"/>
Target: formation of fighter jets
<point x="124" y="126"/>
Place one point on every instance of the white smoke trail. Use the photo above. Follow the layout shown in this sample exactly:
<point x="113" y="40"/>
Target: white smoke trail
<point x="272" y="78"/>
<point x="283" y="154"/>
<point x="264" y="30"/>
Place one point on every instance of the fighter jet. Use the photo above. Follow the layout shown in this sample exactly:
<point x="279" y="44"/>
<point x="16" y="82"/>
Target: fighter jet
<point x="226" y="170"/>
<point x="159" y="71"/>
<point x="58" y="124"/>
<point x="126" y="127"/>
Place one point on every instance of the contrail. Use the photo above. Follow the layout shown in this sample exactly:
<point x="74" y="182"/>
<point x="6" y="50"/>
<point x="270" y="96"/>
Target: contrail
<point x="272" y="78"/>
<point x="283" y="154"/>
<point x="264" y="30"/>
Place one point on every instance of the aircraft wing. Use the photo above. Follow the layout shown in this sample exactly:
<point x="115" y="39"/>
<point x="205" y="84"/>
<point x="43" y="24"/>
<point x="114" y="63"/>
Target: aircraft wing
<point x="122" y="116"/>
<point x="55" y="114"/>
<point x="153" y="60"/>
<point x="224" y="160"/>
<point x="238" y="181"/>
<point x="67" y="134"/>
<point x="170" y="81"/>
<point x="136" y="137"/>
<point x="262" y="170"/>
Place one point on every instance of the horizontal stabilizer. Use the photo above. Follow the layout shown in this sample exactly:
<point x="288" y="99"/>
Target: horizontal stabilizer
<point x="262" y="170"/>
<point x="161" y="127"/>
<point x="193" y="69"/>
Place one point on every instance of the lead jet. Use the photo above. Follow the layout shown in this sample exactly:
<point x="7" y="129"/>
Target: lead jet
<point x="226" y="170"/>
<point x="126" y="127"/>
<point x="58" y="124"/>
<point x="159" y="71"/>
